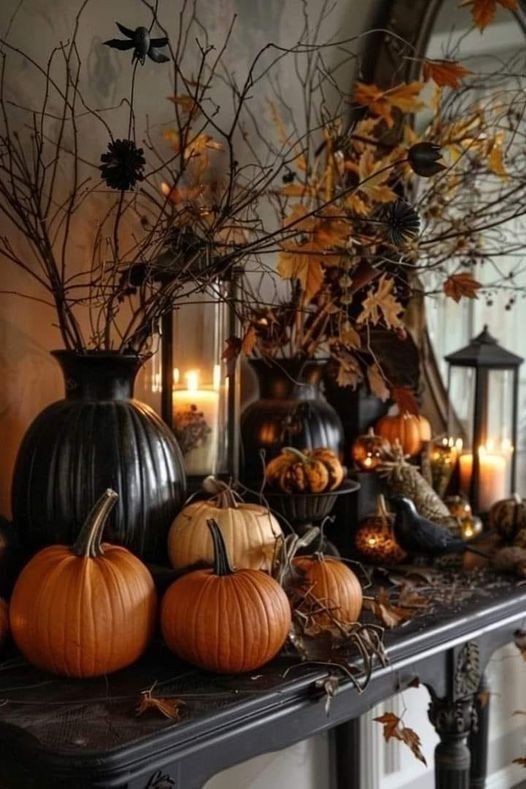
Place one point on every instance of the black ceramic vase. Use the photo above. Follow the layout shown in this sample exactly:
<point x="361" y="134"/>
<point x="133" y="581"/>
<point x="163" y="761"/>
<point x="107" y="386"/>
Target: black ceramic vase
<point x="291" y="411"/>
<point x="98" y="437"/>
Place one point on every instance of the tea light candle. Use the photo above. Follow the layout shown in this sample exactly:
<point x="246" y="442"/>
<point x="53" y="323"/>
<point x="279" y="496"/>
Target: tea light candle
<point x="195" y="418"/>
<point x="492" y="476"/>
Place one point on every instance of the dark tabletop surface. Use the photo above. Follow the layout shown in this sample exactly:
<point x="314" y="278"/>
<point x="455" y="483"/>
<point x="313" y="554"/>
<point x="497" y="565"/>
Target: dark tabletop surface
<point x="86" y="717"/>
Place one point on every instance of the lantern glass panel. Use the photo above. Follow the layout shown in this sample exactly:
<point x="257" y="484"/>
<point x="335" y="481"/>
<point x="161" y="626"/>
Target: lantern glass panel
<point x="200" y="386"/>
<point x="462" y="401"/>
<point x="500" y="406"/>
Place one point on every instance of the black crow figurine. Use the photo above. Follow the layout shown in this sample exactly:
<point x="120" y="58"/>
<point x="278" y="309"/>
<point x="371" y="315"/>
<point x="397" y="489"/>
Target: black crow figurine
<point x="142" y="44"/>
<point x="420" y="536"/>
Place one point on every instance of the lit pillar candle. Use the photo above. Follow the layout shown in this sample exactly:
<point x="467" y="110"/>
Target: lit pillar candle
<point x="492" y="476"/>
<point x="195" y="418"/>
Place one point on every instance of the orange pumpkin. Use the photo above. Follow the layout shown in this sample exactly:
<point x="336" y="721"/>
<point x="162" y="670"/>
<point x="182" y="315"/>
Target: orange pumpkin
<point x="84" y="610"/>
<point x="330" y="581"/>
<point x="249" y="530"/>
<point x="410" y="430"/>
<point x="308" y="471"/>
<point x="224" y="620"/>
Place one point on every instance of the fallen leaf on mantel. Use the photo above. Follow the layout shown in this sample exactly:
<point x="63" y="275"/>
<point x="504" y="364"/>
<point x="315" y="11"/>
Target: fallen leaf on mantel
<point x="520" y="760"/>
<point x="168" y="708"/>
<point x="520" y="642"/>
<point x="461" y="285"/>
<point x="395" y="730"/>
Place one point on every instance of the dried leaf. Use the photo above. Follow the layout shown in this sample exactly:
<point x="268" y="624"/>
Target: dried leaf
<point x="349" y="336"/>
<point x="483" y="11"/>
<point x="249" y="340"/>
<point x="230" y="354"/>
<point x="381" y="304"/>
<point x="415" y="683"/>
<point x="168" y="708"/>
<point x="520" y="642"/>
<point x="377" y="383"/>
<point x="444" y="72"/>
<point x="496" y="161"/>
<point x="520" y="760"/>
<point x="458" y="285"/>
<point x="187" y="103"/>
<point x="395" y="730"/>
<point x="403" y="97"/>
<point x="405" y="399"/>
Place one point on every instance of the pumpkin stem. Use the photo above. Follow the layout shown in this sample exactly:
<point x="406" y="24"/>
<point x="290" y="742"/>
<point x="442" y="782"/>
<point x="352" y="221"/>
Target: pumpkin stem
<point x="297" y="453"/>
<point x="223" y="495"/>
<point x="88" y="543"/>
<point x="222" y="564"/>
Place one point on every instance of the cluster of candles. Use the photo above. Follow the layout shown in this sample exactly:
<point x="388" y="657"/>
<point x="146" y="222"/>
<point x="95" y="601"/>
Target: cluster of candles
<point x="493" y="467"/>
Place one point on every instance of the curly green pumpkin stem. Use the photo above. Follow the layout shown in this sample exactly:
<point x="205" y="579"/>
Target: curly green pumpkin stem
<point x="222" y="564"/>
<point x="88" y="543"/>
<point x="222" y="494"/>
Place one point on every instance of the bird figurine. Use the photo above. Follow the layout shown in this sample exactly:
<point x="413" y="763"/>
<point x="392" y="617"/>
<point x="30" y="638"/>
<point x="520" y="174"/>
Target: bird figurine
<point x="141" y="42"/>
<point x="420" y="536"/>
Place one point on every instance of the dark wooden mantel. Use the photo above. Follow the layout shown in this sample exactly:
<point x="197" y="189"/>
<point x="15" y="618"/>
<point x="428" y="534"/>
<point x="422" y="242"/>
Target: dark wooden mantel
<point x="63" y="733"/>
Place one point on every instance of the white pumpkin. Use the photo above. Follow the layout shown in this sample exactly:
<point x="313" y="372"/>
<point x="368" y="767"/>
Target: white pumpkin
<point x="250" y="531"/>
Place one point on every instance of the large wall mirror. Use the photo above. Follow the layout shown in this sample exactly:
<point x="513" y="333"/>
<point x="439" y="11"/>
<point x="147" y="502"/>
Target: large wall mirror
<point x="411" y="30"/>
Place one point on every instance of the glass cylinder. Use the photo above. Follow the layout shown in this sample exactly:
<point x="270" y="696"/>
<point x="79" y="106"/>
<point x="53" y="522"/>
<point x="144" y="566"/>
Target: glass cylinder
<point x="200" y="386"/>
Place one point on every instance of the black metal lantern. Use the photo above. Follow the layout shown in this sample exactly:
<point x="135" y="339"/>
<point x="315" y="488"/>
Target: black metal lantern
<point x="483" y="390"/>
<point x="200" y="396"/>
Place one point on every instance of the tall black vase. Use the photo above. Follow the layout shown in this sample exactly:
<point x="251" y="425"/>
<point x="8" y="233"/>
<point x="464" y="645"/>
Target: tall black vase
<point x="291" y="411"/>
<point x="98" y="437"/>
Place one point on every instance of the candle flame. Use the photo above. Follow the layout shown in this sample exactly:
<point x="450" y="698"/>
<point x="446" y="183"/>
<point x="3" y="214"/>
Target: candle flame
<point x="176" y="376"/>
<point x="192" y="380"/>
<point x="165" y="189"/>
<point x="216" y="380"/>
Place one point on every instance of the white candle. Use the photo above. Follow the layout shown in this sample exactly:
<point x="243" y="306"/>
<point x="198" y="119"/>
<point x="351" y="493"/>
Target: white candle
<point x="195" y="416"/>
<point x="492" y="476"/>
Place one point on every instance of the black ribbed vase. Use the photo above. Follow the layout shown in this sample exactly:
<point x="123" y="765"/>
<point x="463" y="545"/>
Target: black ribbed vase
<point x="291" y="411"/>
<point x="98" y="437"/>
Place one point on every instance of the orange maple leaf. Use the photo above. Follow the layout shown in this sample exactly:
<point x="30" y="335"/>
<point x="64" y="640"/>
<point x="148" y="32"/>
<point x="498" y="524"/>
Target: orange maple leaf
<point x="382" y="304"/>
<point x="483" y="11"/>
<point x="444" y="72"/>
<point x="405" y="399"/>
<point x="381" y="102"/>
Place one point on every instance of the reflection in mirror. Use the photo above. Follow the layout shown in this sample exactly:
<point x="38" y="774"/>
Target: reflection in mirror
<point x="485" y="121"/>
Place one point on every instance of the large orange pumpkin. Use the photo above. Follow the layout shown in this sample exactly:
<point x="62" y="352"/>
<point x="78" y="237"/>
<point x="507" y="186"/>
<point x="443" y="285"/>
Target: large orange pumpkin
<point x="249" y="530"/>
<point x="84" y="610"/>
<point x="224" y="620"/>
<point x="410" y="430"/>
<point x="330" y="582"/>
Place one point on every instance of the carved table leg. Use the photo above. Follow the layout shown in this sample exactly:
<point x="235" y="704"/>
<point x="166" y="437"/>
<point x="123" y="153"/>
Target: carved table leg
<point x="478" y="739"/>
<point x="453" y="721"/>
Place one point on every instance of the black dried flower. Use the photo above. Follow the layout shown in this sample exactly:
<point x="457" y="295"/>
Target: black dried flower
<point x="402" y="222"/>
<point x="122" y="165"/>
<point x="141" y="43"/>
<point x="423" y="158"/>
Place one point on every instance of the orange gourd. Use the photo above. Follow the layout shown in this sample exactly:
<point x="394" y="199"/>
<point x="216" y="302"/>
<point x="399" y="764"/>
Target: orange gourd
<point x="224" y="620"/>
<point x="330" y="581"/>
<point x="84" y="610"/>
<point x="508" y="517"/>
<point x="410" y="430"/>
<point x="369" y="451"/>
<point x="249" y="530"/>
<point x="308" y="471"/>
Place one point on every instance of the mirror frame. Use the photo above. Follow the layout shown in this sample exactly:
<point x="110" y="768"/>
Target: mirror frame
<point x="400" y="25"/>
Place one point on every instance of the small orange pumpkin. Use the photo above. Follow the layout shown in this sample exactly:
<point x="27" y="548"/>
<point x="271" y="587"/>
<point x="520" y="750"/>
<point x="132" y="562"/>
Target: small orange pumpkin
<point x="309" y="471"/>
<point x="375" y="539"/>
<point x="370" y="450"/>
<point x="330" y="581"/>
<point x="410" y="430"/>
<point x="224" y="620"/>
<point x="84" y="610"/>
